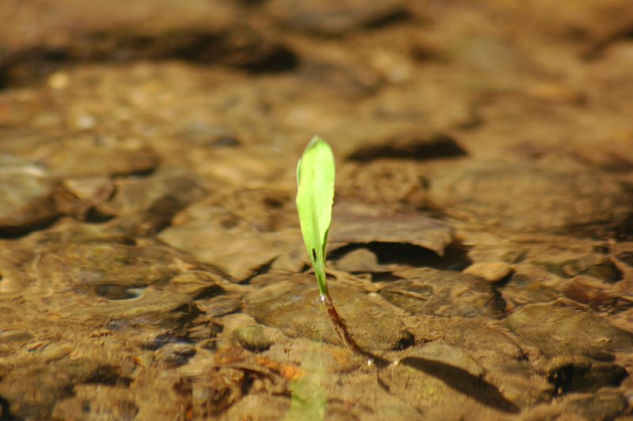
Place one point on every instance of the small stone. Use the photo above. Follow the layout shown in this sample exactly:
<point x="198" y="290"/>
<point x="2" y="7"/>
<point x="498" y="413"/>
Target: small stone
<point x="26" y="196"/>
<point x="253" y="338"/>
<point x="359" y="260"/>
<point x="58" y="80"/>
<point x="580" y="374"/>
<point x="490" y="271"/>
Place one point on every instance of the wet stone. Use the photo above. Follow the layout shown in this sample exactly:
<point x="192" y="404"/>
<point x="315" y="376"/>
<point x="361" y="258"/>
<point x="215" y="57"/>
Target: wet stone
<point x="242" y="234"/>
<point x="581" y="374"/>
<point x="237" y="252"/>
<point x="146" y="206"/>
<point x="359" y="260"/>
<point x="443" y="293"/>
<point x="489" y="344"/>
<point x="55" y="382"/>
<point x="522" y="289"/>
<point x="598" y="267"/>
<point x="357" y="224"/>
<point x="429" y="385"/>
<point x="99" y="262"/>
<point x="553" y="328"/>
<point x="505" y="362"/>
<point x="532" y="195"/>
<point x="253" y="338"/>
<point x="174" y="355"/>
<point x="94" y="402"/>
<point x="86" y="197"/>
<point x="490" y="271"/>
<point x="626" y="257"/>
<point x="449" y="355"/>
<point x="389" y="183"/>
<point x="88" y="159"/>
<point x="605" y="404"/>
<point x="26" y="196"/>
<point x="408" y="146"/>
<point x="334" y="17"/>
<point x="598" y="295"/>
<point x="293" y="307"/>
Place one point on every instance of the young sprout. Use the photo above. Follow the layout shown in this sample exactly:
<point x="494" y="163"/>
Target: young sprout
<point x="315" y="196"/>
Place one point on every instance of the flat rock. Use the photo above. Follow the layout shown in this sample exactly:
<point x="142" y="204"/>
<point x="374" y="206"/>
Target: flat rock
<point x="523" y="289"/>
<point x="86" y="259"/>
<point x="531" y="195"/>
<point x="581" y="374"/>
<point x="450" y="355"/>
<point x="333" y="17"/>
<point x="428" y="383"/>
<point x="359" y="260"/>
<point x="55" y="382"/>
<point x="442" y="293"/>
<point x="554" y="328"/>
<point x="239" y="253"/>
<point x="293" y="306"/>
<point x="26" y="196"/>
<point x="353" y="223"/>
<point x="490" y="271"/>
<point x="595" y="266"/>
<point x="253" y="337"/>
<point x="241" y="233"/>
<point x="146" y="206"/>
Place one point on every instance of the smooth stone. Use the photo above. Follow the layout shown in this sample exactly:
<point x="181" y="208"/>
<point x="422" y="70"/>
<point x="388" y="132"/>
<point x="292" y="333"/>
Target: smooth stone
<point x="605" y="404"/>
<point x="443" y="293"/>
<point x="293" y="306"/>
<point x="253" y="338"/>
<point x="26" y="196"/>
<point x="446" y="388"/>
<point x="599" y="267"/>
<point x="355" y="223"/>
<point x="450" y="355"/>
<point x="577" y="374"/>
<point x="359" y="260"/>
<point x="333" y="17"/>
<point x="522" y="289"/>
<point x="531" y="196"/>
<point x="490" y="271"/>
<point x="146" y="206"/>
<point x="554" y="329"/>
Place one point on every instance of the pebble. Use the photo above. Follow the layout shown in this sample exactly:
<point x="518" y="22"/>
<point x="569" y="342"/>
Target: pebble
<point x="490" y="271"/>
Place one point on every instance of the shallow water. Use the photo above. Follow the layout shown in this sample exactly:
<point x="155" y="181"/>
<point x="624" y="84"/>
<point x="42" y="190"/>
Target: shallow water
<point x="151" y="263"/>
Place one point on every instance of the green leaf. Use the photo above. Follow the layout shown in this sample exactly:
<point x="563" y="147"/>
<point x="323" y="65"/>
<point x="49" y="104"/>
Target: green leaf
<point x="315" y="196"/>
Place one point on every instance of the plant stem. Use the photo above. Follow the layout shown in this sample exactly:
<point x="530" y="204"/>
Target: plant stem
<point x="340" y="327"/>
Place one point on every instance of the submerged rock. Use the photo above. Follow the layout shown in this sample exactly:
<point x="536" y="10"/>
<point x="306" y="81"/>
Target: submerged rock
<point x="26" y="196"/>
<point x="532" y="195"/>
<point x="554" y="329"/>
<point x="443" y="293"/>
<point x="581" y="374"/>
<point x="428" y="381"/>
<point x="292" y="305"/>
<point x="334" y="17"/>
<point x="490" y="271"/>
